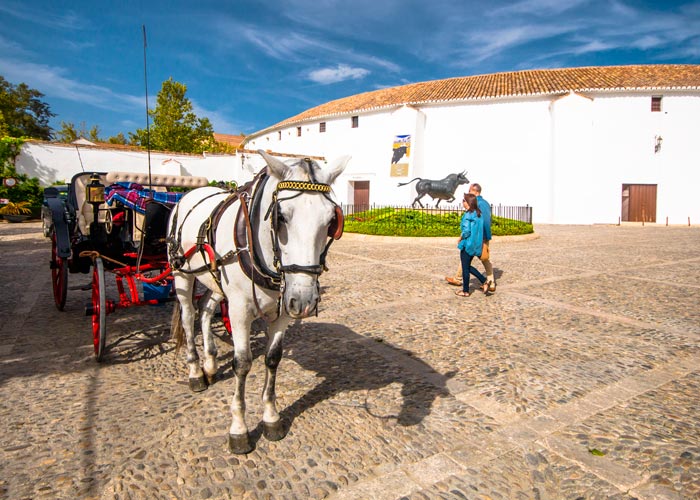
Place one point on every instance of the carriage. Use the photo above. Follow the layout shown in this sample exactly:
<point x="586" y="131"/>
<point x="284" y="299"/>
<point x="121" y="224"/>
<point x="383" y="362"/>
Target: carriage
<point x="258" y="251"/>
<point x="109" y="223"/>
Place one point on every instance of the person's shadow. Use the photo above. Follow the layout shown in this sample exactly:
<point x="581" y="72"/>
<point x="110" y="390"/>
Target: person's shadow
<point x="345" y="361"/>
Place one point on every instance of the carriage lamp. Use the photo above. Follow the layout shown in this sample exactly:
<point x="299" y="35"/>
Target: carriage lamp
<point x="95" y="195"/>
<point x="95" y="191"/>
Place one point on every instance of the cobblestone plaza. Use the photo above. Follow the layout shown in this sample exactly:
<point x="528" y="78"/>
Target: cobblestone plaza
<point x="578" y="378"/>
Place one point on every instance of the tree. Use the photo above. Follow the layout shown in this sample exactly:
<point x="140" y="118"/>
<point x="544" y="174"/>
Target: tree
<point x="117" y="139"/>
<point x="175" y="126"/>
<point x="27" y="189"/>
<point x="69" y="132"/>
<point x="22" y="112"/>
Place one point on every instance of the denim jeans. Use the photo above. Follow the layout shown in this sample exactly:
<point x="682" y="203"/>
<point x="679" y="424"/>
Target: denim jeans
<point x="467" y="268"/>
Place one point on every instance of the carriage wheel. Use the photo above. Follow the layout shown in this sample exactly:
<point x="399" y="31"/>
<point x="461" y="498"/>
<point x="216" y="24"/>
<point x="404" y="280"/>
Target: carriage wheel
<point x="59" y="275"/>
<point x="99" y="309"/>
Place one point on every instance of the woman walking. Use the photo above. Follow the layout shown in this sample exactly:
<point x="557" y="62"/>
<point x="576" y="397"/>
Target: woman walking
<point x="470" y="243"/>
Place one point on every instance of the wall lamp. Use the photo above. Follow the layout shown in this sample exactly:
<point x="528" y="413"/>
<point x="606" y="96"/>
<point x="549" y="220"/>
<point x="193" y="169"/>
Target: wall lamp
<point x="657" y="144"/>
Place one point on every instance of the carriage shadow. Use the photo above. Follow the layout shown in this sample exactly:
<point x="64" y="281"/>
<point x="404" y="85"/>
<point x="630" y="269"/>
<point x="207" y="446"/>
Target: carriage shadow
<point x="139" y="346"/>
<point x="344" y="362"/>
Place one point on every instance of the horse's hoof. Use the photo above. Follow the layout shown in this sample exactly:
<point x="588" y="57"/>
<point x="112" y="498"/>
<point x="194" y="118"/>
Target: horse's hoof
<point x="239" y="444"/>
<point x="212" y="378"/>
<point x="198" y="384"/>
<point x="274" y="431"/>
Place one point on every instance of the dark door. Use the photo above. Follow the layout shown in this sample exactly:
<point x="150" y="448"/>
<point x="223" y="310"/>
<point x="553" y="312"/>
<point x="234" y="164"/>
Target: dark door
<point x="639" y="202"/>
<point x="361" y="195"/>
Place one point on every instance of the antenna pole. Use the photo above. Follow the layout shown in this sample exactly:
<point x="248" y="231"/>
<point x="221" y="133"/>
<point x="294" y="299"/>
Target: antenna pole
<point x="148" y="128"/>
<point x="79" y="158"/>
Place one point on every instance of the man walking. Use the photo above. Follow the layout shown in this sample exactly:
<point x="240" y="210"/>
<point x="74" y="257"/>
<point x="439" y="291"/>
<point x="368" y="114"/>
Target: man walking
<point x="485" y="208"/>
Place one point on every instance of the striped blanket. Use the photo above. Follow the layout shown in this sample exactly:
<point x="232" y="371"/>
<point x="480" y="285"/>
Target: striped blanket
<point x="135" y="196"/>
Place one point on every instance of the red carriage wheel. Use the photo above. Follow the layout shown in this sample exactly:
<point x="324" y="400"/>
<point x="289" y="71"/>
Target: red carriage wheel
<point x="99" y="309"/>
<point x="59" y="275"/>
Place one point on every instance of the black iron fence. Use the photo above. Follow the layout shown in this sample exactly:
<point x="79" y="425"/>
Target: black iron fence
<point x="406" y="215"/>
<point x="522" y="214"/>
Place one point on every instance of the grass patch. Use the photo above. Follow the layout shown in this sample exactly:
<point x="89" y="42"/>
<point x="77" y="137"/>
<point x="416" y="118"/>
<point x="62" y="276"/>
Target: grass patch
<point x="389" y="221"/>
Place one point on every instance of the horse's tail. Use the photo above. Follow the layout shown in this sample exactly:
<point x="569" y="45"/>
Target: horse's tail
<point x="176" y="330"/>
<point x="404" y="183"/>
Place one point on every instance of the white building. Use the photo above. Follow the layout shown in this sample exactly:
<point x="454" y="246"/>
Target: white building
<point x="579" y="145"/>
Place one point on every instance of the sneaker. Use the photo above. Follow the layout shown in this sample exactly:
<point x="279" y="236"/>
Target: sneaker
<point x="453" y="281"/>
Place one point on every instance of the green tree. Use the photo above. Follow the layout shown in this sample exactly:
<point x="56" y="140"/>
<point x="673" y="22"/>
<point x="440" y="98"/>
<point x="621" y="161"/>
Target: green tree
<point x="27" y="189"/>
<point x="69" y="132"/>
<point x="22" y="112"/>
<point x="117" y="139"/>
<point x="175" y="126"/>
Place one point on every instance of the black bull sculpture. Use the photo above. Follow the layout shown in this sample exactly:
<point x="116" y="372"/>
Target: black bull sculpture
<point x="444" y="189"/>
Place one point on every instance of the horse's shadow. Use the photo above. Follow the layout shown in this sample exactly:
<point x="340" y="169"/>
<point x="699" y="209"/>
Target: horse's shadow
<point x="345" y="361"/>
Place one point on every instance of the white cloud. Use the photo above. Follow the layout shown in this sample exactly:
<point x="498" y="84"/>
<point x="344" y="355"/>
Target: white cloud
<point x="293" y="46"/>
<point x="219" y="121"/>
<point x="51" y="81"/>
<point x="340" y="73"/>
<point x="487" y="44"/>
<point x="536" y="7"/>
<point x="64" y="20"/>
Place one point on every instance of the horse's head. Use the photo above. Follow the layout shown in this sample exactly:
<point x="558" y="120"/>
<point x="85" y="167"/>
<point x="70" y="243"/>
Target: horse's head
<point x="304" y="220"/>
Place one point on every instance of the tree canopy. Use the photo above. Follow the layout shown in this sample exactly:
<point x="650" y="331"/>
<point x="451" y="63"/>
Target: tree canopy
<point x="175" y="125"/>
<point x="69" y="132"/>
<point x="22" y="112"/>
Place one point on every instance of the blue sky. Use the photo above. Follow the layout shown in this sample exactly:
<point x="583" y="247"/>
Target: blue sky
<point x="249" y="64"/>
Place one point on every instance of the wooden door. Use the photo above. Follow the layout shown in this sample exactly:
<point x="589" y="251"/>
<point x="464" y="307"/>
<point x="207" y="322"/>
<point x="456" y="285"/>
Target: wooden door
<point x="361" y="196"/>
<point x="639" y="202"/>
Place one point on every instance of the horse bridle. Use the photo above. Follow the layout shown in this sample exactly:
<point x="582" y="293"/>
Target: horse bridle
<point x="335" y="228"/>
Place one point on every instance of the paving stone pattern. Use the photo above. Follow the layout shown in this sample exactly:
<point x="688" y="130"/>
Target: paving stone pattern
<point x="577" y="379"/>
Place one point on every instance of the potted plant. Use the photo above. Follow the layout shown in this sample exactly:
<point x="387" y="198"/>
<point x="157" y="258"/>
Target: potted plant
<point x="16" y="212"/>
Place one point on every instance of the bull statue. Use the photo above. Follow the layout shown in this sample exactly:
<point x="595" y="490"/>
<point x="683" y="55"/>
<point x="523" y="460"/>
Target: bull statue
<point x="443" y="189"/>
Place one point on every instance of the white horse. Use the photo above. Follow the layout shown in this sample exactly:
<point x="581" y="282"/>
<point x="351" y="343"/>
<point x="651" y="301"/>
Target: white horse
<point x="262" y="248"/>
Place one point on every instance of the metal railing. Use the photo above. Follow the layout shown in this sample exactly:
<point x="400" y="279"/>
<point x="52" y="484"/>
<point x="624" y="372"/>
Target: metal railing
<point x="408" y="215"/>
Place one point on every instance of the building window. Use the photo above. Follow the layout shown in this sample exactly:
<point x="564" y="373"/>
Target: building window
<point x="298" y="131"/>
<point x="656" y="103"/>
<point x="355" y="121"/>
<point x="279" y="135"/>
<point x="322" y="127"/>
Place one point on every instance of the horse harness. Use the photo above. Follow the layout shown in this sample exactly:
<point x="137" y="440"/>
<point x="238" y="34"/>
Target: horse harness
<point x="248" y="249"/>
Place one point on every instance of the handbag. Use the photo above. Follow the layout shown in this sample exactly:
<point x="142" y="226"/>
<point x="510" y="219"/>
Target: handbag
<point x="485" y="252"/>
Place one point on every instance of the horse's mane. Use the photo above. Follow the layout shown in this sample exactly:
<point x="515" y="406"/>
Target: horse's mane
<point x="302" y="170"/>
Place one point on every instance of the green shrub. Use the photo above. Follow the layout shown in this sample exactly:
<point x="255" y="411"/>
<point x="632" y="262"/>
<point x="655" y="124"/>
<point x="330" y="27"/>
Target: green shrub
<point x="389" y="221"/>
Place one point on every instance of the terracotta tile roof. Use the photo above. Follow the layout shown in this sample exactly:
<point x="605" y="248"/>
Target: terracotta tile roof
<point x="511" y="84"/>
<point x="231" y="140"/>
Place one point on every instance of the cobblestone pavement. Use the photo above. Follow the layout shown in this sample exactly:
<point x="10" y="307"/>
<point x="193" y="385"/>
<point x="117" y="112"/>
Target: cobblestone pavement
<point x="578" y="378"/>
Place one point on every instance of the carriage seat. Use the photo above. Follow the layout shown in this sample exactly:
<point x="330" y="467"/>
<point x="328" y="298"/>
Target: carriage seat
<point x="159" y="182"/>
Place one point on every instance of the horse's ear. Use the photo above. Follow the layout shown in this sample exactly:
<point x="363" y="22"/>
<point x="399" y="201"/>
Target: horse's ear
<point x="277" y="167"/>
<point x="335" y="168"/>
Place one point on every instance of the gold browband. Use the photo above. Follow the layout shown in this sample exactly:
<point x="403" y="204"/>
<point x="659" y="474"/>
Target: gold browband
<point x="303" y="186"/>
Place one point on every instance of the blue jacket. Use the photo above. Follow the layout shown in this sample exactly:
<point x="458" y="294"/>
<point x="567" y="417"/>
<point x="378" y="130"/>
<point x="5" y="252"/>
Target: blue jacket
<point x="472" y="234"/>
<point x="485" y="208"/>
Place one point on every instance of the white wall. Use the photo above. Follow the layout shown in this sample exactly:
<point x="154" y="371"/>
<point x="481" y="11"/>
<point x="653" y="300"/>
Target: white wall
<point x="566" y="156"/>
<point x="52" y="162"/>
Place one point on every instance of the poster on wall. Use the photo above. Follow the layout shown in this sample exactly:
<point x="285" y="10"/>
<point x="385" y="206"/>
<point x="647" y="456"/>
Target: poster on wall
<point x="401" y="151"/>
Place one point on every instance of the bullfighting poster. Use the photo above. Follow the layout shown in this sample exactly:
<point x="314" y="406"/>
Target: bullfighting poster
<point x="401" y="151"/>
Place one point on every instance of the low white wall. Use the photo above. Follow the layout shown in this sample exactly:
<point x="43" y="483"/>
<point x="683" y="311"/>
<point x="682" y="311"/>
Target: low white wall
<point x="51" y="162"/>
